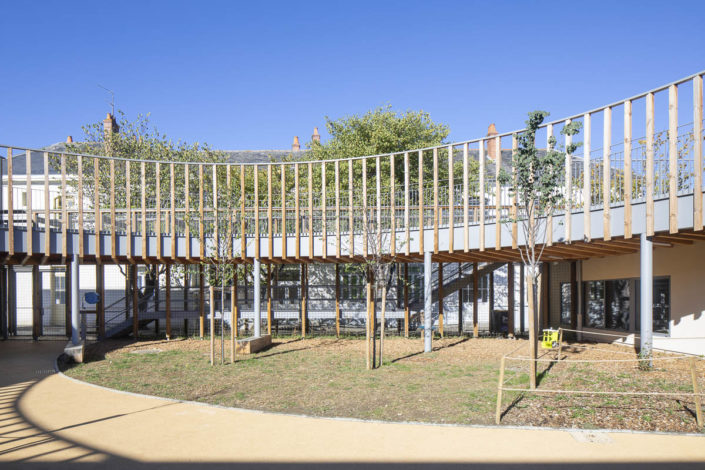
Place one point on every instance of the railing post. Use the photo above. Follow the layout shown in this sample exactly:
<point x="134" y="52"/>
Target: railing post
<point x="628" y="169"/>
<point x="606" y="174"/>
<point x="698" y="153"/>
<point x="568" y="186"/>
<point x="673" y="158"/>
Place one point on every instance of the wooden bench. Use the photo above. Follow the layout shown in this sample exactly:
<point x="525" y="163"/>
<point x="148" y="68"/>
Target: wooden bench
<point x="252" y="344"/>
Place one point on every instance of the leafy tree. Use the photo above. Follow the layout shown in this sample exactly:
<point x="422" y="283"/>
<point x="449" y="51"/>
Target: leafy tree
<point x="537" y="181"/>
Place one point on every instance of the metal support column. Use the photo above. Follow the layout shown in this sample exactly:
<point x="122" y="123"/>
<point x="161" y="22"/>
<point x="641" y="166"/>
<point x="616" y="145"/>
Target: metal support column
<point x="427" y="294"/>
<point x="257" y="294"/>
<point x="646" y="277"/>
<point x="75" y="292"/>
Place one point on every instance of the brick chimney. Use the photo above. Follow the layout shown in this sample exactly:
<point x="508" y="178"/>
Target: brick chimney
<point x="492" y="143"/>
<point x="295" y="147"/>
<point x="110" y="124"/>
<point x="316" y="137"/>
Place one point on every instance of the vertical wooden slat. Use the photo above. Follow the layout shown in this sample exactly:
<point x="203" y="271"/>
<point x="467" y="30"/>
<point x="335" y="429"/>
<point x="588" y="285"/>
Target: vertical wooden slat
<point x="515" y="229"/>
<point x="243" y="215"/>
<point x="466" y="198"/>
<point x="481" y="194"/>
<point x="168" y="295"/>
<point x="158" y="208"/>
<point x="337" y="299"/>
<point x="337" y="209"/>
<point x="234" y="312"/>
<point x="587" y="176"/>
<point x="187" y="211"/>
<point x="255" y="168"/>
<point x="11" y="206"/>
<point x="310" y="210"/>
<point x="407" y="229"/>
<point x="216" y="221"/>
<point x="451" y="202"/>
<point x="270" y="247"/>
<point x="392" y="207"/>
<point x="606" y="173"/>
<point x="475" y="292"/>
<point x="364" y="208"/>
<point x="29" y="221"/>
<point x="269" y="299"/>
<point x="231" y="213"/>
<point x="436" y="215"/>
<point x="297" y="218"/>
<point x="497" y="195"/>
<point x="549" y="219"/>
<point x="378" y="199"/>
<point x="672" y="158"/>
<point x="144" y="210"/>
<point x="568" y="186"/>
<point x="283" y="221"/>
<point x="81" y="248"/>
<point x="113" y="248"/>
<point x="324" y="219"/>
<point x="406" y="300"/>
<point x="421" y="208"/>
<point x="698" y="152"/>
<point x="649" y="164"/>
<point x="128" y="211"/>
<point x="96" y="208"/>
<point x="351" y="212"/>
<point x="172" y="209"/>
<point x="47" y="207"/>
<point x="627" y="169"/>
<point x="64" y="211"/>
<point x="201" y="225"/>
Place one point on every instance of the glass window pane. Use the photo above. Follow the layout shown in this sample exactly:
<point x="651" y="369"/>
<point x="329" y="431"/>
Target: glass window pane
<point x="566" y="303"/>
<point x="595" y="304"/>
<point x="618" y="312"/>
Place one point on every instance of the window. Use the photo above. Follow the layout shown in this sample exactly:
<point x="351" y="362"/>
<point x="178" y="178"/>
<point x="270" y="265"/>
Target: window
<point x="661" y="309"/>
<point x="566" y="303"/>
<point x="60" y="288"/>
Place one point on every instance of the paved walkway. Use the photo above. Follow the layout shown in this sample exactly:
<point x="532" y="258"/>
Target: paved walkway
<point x="47" y="420"/>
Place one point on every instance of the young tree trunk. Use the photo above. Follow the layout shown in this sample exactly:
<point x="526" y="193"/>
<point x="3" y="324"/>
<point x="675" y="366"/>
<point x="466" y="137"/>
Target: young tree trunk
<point x="531" y="281"/>
<point x="367" y="322"/>
<point x="381" y="336"/>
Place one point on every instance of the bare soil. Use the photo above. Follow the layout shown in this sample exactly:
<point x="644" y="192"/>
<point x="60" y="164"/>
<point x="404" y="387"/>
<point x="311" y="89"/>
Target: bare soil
<point x="456" y="383"/>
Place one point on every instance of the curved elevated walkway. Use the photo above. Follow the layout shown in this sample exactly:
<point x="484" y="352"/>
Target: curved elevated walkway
<point x="49" y="421"/>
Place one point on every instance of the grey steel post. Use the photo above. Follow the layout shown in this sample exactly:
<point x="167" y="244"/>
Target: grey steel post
<point x="257" y="294"/>
<point x="646" y="299"/>
<point x="75" y="292"/>
<point x="427" y="294"/>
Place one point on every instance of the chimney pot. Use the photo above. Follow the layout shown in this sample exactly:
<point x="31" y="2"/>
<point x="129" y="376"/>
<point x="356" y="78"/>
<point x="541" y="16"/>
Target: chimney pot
<point x="296" y="146"/>
<point x="69" y="139"/>
<point x="316" y="137"/>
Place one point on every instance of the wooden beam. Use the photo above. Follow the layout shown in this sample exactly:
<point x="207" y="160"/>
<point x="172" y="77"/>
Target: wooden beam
<point x="297" y="216"/>
<point x="201" y="224"/>
<point x="310" y="211"/>
<point x="364" y="208"/>
<point x="351" y="212"/>
<point x="29" y="215"/>
<point x="549" y="219"/>
<point x="337" y="208"/>
<point x="421" y="207"/>
<point x="324" y="210"/>
<point x="392" y="206"/>
<point x="606" y="173"/>
<point x="158" y="209"/>
<point x="515" y="229"/>
<point x="451" y="202"/>
<point x="436" y="214"/>
<point x="270" y="246"/>
<point x="628" y="169"/>
<point x="234" y="311"/>
<point x="337" y="300"/>
<point x="172" y="209"/>
<point x="587" y="176"/>
<point x="568" y="186"/>
<point x="113" y="248"/>
<point x="47" y="207"/>
<point x="65" y="212"/>
<point x="10" y="201"/>
<point x="698" y="153"/>
<point x="216" y="229"/>
<point x="649" y="164"/>
<point x="269" y="299"/>
<point x="407" y="229"/>
<point x="255" y="169"/>
<point x="378" y="203"/>
<point x="672" y="158"/>
<point x="283" y="221"/>
<point x="481" y="194"/>
<point x="81" y="247"/>
<point x="168" y="296"/>
<point x="187" y="211"/>
<point x="243" y="215"/>
<point x="475" y="291"/>
<point x="466" y="199"/>
<point x="497" y="195"/>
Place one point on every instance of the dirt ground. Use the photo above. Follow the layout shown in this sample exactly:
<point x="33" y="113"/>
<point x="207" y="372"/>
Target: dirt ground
<point x="456" y="383"/>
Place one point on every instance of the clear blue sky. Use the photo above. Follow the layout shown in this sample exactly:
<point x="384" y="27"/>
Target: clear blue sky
<point x="251" y="75"/>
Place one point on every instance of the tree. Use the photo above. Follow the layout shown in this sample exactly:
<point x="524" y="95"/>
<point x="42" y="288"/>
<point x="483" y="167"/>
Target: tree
<point x="537" y="182"/>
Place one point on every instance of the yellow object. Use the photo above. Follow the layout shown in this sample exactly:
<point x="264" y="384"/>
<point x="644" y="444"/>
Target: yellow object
<point x="549" y="339"/>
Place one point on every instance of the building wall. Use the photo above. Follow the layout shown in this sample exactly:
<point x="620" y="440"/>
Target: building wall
<point x="685" y="265"/>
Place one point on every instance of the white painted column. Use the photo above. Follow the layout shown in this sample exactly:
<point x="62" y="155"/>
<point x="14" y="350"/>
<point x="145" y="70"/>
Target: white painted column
<point x="427" y="294"/>
<point x="75" y="293"/>
<point x="646" y="298"/>
<point x="258" y="296"/>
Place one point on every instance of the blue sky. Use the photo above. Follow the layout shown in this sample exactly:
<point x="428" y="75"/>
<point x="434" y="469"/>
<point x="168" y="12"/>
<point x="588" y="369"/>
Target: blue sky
<point x="251" y="75"/>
